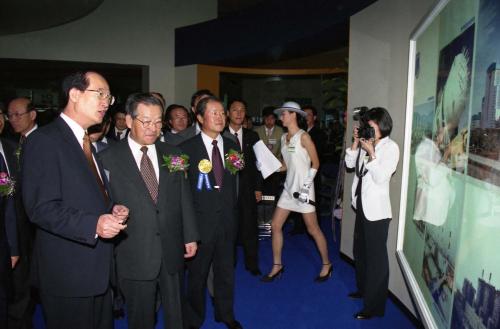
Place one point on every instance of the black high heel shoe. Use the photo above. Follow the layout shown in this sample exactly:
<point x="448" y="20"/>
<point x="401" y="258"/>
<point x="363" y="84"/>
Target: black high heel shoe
<point x="277" y="275"/>
<point x="325" y="277"/>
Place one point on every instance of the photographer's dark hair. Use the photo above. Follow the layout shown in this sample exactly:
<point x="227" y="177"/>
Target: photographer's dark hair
<point x="140" y="98"/>
<point x="202" y="105"/>
<point x="382" y="118"/>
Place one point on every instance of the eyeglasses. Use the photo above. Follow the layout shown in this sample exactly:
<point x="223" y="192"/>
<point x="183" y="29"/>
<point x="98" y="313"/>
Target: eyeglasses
<point x="103" y="95"/>
<point x="149" y="124"/>
<point x="11" y="116"/>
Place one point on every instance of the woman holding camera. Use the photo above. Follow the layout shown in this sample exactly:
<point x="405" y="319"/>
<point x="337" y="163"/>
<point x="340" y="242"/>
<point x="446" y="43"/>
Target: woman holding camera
<point x="375" y="157"/>
<point x="301" y="163"/>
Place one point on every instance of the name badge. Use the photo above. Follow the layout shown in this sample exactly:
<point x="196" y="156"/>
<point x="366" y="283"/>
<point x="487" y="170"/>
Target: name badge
<point x="272" y="141"/>
<point x="291" y="149"/>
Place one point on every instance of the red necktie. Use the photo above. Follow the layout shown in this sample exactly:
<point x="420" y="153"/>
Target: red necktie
<point x="217" y="165"/>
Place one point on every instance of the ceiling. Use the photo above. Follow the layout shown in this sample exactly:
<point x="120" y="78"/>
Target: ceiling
<point x="258" y="33"/>
<point x="247" y="33"/>
<point x="19" y="16"/>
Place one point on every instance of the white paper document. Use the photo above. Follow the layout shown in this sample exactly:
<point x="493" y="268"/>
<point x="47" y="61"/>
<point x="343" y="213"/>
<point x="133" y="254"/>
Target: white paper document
<point x="268" y="162"/>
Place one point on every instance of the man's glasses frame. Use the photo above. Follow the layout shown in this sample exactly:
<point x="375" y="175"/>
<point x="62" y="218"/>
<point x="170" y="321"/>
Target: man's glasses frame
<point x="102" y="95"/>
<point x="148" y="124"/>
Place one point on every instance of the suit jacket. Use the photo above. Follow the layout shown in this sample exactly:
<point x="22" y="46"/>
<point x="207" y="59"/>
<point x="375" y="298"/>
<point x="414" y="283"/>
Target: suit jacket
<point x="176" y="139"/>
<point x="62" y="197"/>
<point x="250" y="179"/>
<point x="155" y="232"/>
<point x="9" y="210"/>
<point x="375" y="187"/>
<point x="112" y="135"/>
<point x="215" y="210"/>
<point x="273" y="141"/>
<point x="8" y="231"/>
<point x="318" y="137"/>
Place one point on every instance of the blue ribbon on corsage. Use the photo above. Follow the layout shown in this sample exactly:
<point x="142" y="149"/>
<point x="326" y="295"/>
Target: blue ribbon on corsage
<point x="204" y="166"/>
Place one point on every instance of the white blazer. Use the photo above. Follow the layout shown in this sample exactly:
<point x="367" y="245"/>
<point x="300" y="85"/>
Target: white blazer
<point x="375" y="189"/>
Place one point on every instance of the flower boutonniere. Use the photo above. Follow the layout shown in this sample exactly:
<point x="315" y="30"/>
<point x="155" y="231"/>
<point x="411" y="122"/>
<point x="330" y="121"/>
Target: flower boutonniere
<point x="234" y="161"/>
<point x="176" y="163"/>
<point x="7" y="185"/>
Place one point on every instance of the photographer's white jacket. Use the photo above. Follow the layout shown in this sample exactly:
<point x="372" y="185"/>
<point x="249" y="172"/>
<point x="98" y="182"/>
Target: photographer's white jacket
<point x="375" y="189"/>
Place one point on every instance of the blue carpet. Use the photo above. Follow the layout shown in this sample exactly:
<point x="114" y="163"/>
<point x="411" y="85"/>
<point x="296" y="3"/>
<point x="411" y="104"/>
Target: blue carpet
<point x="295" y="301"/>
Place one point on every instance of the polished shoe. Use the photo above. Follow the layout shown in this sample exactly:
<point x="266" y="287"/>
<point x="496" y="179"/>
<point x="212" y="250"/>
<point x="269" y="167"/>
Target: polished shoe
<point x="277" y="275"/>
<point x="323" y="278"/>
<point x="233" y="324"/>
<point x="254" y="271"/>
<point x="355" y="295"/>
<point x="363" y="316"/>
<point x="118" y="313"/>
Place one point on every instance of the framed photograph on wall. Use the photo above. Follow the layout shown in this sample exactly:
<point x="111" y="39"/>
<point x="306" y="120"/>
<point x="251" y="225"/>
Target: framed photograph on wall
<point x="450" y="202"/>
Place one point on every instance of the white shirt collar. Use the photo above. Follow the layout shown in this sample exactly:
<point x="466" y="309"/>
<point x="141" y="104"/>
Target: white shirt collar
<point x="77" y="130"/>
<point x="32" y="130"/>
<point x="240" y="131"/>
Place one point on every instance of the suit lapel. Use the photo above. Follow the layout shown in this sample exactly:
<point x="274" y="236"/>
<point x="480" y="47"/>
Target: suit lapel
<point x="127" y="160"/>
<point x="164" y="177"/>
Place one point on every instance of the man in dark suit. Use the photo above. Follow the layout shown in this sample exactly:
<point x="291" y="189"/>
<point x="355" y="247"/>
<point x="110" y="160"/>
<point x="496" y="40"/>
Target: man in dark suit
<point x="214" y="195"/>
<point x="161" y="227"/>
<point x="119" y="128"/>
<point x="9" y="251"/>
<point x="22" y="117"/>
<point x="177" y="121"/>
<point x="249" y="185"/>
<point x="65" y="194"/>
<point x="195" y="99"/>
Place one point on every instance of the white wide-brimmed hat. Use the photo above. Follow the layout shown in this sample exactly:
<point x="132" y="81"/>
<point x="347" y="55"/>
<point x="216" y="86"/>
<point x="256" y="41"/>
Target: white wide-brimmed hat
<point x="290" y="107"/>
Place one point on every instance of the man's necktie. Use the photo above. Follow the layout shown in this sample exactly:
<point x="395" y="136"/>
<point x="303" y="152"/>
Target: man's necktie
<point x="19" y="149"/>
<point x="217" y="165"/>
<point x="238" y="140"/>
<point x="118" y="135"/>
<point x="87" y="150"/>
<point x="148" y="174"/>
<point x="3" y="164"/>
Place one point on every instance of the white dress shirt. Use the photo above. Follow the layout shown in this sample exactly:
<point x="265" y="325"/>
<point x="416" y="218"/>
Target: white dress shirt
<point x="375" y="188"/>
<point x="137" y="153"/>
<point x="79" y="132"/>
<point x="207" y="140"/>
<point x="240" y="135"/>
<point x="122" y="133"/>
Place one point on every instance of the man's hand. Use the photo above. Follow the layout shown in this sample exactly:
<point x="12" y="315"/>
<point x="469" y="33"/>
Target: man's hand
<point x="120" y="212"/>
<point x="258" y="196"/>
<point x="13" y="261"/>
<point x="190" y="249"/>
<point x="108" y="226"/>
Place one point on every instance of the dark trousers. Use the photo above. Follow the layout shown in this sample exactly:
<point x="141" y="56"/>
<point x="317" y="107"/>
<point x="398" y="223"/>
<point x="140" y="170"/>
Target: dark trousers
<point x="94" y="312"/>
<point x="371" y="260"/>
<point x="248" y="231"/>
<point x="140" y="298"/>
<point x="22" y="305"/>
<point x="220" y="254"/>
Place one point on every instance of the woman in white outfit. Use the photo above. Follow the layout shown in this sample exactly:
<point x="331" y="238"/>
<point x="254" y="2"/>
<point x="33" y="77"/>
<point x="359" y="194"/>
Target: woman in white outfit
<point x="375" y="157"/>
<point x="301" y="163"/>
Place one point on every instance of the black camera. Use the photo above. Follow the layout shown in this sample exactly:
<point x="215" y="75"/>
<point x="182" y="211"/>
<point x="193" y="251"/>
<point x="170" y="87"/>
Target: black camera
<point x="365" y="131"/>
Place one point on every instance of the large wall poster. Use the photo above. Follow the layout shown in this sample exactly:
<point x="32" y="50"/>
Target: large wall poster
<point x="450" y="237"/>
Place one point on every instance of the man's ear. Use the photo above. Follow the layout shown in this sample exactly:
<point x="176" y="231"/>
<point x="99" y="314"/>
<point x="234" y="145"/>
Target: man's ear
<point x="200" y="119"/>
<point x="33" y="115"/>
<point x="74" y="95"/>
<point x="129" y="120"/>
